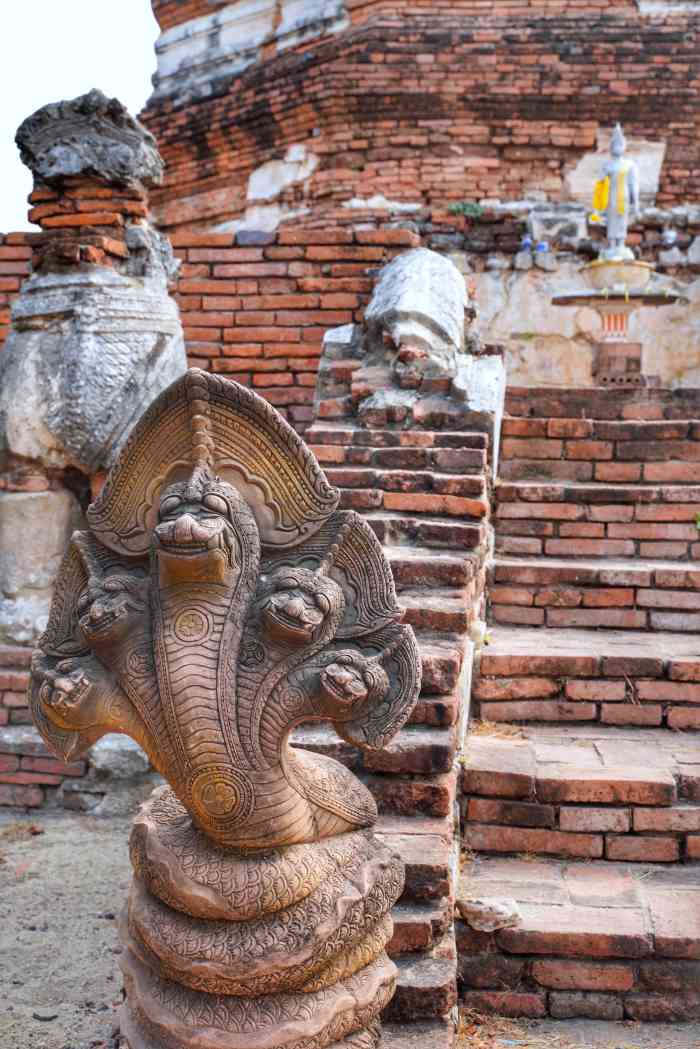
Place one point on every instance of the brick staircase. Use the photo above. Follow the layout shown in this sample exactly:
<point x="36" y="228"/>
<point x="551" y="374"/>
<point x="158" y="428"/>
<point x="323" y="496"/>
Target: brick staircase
<point x="426" y="495"/>
<point x="581" y="783"/>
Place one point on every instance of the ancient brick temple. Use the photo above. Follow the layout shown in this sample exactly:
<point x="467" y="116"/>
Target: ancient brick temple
<point x="543" y="540"/>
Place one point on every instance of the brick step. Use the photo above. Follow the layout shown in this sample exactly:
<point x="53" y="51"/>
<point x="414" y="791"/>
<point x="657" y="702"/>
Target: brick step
<point x="414" y="795"/>
<point x="602" y="402"/>
<point x="542" y="470"/>
<point x="582" y="520"/>
<point x="422" y="567"/>
<point x="427" y="983"/>
<point x="445" y="608"/>
<point x="420" y="926"/>
<point x="607" y="676"/>
<point x="427" y="532"/>
<point x="321" y="433"/>
<point x="623" y="594"/>
<point x="598" y="940"/>
<point x="438" y="456"/>
<point x="406" y="482"/>
<point x="416" y="749"/>
<point x="598" y="793"/>
<point x="428" y="849"/>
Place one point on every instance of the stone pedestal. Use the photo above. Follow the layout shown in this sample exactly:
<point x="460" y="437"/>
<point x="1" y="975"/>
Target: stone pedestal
<point x="230" y="950"/>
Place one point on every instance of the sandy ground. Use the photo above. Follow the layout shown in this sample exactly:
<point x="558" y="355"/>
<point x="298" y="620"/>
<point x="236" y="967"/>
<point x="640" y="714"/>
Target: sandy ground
<point x="60" y="891"/>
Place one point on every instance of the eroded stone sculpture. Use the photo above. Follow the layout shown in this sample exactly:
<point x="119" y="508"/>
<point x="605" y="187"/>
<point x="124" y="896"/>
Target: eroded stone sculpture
<point x="217" y="600"/>
<point x="413" y="363"/>
<point x="95" y="335"/>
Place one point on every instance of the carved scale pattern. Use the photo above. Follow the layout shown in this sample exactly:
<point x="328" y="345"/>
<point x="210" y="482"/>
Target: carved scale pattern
<point x="219" y="600"/>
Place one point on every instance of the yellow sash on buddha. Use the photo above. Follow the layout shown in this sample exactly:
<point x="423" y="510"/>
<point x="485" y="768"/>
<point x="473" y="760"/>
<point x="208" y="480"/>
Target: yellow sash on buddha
<point x="601" y="194"/>
<point x="622" y="175"/>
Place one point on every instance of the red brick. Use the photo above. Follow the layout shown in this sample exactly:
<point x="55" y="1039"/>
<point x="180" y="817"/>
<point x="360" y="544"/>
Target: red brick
<point x="589" y="548"/>
<point x="516" y="664"/>
<point x="524" y="427"/>
<point x="85" y="218"/>
<point x="518" y="615"/>
<point x="597" y="690"/>
<point x="579" y="931"/>
<point x="668" y="691"/>
<point x="545" y="710"/>
<point x="569" y="428"/>
<point x="567" y="1005"/>
<point x="558" y="598"/>
<point x="53" y="765"/>
<point x="607" y="786"/>
<point x="514" y="448"/>
<point x="684" y="669"/>
<point x="683" y="718"/>
<point x="617" y="597"/>
<point x="592" y="820"/>
<point x="618" y="473"/>
<point x="628" y="848"/>
<point x="672" y="472"/>
<point x="683" y="819"/>
<point x="632" y="666"/>
<point x="631" y="714"/>
<point x="27" y="778"/>
<point x="515" y="688"/>
<point x="588" y="450"/>
<point x="512" y="813"/>
<point x="567" y="974"/>
<point x="506" y="1003"/>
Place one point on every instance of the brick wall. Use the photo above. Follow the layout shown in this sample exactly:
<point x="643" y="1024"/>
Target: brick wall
<point x="256" y="307"/>
<point x="438" y="103"/>
<point x="15" y="255"/>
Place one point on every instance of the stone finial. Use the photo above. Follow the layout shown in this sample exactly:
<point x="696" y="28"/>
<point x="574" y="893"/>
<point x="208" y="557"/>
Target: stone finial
<point x="92" y="136"/>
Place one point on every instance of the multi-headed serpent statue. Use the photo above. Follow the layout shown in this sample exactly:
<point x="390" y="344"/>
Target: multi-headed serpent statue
<point x="218" y="600"/>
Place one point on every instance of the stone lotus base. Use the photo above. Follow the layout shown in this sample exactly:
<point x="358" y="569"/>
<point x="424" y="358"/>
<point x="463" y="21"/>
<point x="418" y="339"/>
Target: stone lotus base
<point x="276" y="950"/>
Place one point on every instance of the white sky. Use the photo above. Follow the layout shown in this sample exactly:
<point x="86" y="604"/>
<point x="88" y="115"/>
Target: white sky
<point x="54" y="49"/>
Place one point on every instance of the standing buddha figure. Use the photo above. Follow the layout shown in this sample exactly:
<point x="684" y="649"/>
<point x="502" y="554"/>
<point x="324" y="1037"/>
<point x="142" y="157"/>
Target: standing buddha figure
<point x="617" y="196"/>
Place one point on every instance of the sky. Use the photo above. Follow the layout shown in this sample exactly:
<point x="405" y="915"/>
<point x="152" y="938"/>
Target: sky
<point x="54" y="49"/>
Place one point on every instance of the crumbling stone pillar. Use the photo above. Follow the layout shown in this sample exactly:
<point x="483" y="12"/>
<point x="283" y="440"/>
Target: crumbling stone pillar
<point x="95" y="337"/>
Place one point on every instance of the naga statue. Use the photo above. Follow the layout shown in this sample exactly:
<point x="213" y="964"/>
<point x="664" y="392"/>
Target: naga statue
<point x="218" y="600"/>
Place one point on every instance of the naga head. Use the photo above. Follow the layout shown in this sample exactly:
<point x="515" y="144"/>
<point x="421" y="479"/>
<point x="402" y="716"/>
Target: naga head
<point x="196" y="535"/>
<point x="301" y="605"/>
<point x="352" y="681"/>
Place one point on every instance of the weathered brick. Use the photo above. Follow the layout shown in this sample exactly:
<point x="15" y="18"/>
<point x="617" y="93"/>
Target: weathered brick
<point x="563" y="974"/>
<point x="638" y="849"/>
<point x="513" y="813"/>
<point x="565" y="1005"/>
<point x="649" y="714"/>
<point x="501" y="838"/>
<point x="592" y="820"/>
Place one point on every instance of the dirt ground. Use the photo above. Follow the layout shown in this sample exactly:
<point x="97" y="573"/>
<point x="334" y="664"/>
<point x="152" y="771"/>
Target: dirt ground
<point x="63" y="879"/>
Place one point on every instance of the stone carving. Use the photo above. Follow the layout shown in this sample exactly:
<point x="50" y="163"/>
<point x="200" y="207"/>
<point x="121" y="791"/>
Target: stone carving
<point x="95" y="336"/>
<point x="90" y="135"/>
<point x="411" y="364"/>
<point x="217" y="600"/>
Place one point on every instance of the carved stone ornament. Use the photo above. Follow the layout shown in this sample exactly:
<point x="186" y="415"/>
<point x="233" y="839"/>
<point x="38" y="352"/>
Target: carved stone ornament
<point x="218" y="600"/>
<point x="91" y="135"/>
